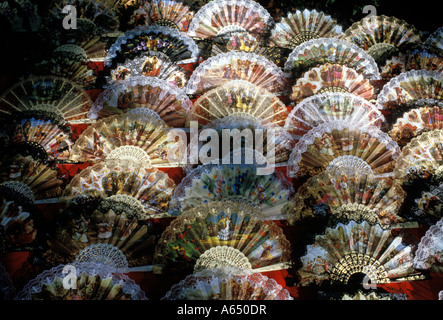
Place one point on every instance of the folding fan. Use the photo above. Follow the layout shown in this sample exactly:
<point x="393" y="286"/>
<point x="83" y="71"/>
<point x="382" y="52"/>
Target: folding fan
<point x="410" y="87"/>
<point x="81" y="282"/>
<point x="316" y="52"/>
<point x="416" y="121"/>
<point x="301" y="26"/>
<point x="357" y="248"/>
<point x="238" y="97"/>
<point x="227" y="284"/>
<point x="54" y="97"/>
<point x="321" y="108"/>
<point x="151" y="187"/>
<point x="421" y="158"/>
<point x="223" y="182"/>
<point x="222" y="233"/>
<point x="152" y="64"/>
<point x="348" y="197"/>
<point x="372" y="296"/>
<point x="435" y="39"/>
<point x="236" y="65"/>
<point x="429" y="254"/>
<point x="178" y="46"/>
<point x="115" y="136"/>
<point x="381" y="36"/>
<point x="343" y="143"/>
<point x="332" y="78"/>
<point x="164" y="98"/>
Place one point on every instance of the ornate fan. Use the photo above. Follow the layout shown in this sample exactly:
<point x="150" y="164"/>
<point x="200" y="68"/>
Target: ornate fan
<point x="429" y="254"/>
<point x="125" y="136"/>
<point x="372" y="296"/>
<point x="176" y="14"/>
<point x="152" y="64"/>
<point x="416" y="121"/>
<point x="302" y="26"/>
<point x="50" y="97"/>
<point x="238" y="97"/>
<point x="348" y="197"/>
<point x="421" y="158"/>
<point x="340" y="144"/>
<point x="223" y="182"/>
<point x="227" y="284"/>
<point x="316" y="52"/>
<point x="103" y="254"/>
<point x="348" y="250"/>
<point x="134" y="43"/>
<point x="411" y="86"/>
<point x="81" y="281"/>
<point x="435" y="39"/>
<point x="325" y="107"/>
<point x="132" y="182"/>
<point x="332" y="78"/>
<point x="236" y="65"/>
<point x="222" y="233"/>
<point x="381" y="36"/>
<point x="164" y="98"/>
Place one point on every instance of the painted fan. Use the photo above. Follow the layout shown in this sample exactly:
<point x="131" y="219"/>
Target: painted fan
<point x="302" y="26"/>
<point x="223" y="182"/>
<point x="429" y="254"/>
<point x="332" y="78"/>
<point x="218" y="234"/>
<point x="150" y="187"/>
<point x="164" y="98"/>
<point x="321" y="108"/>
<point x="381" y="36"/>
<point x="234" y="65"/>
<point x="416" y="121"/>
<point x="238" y="97"/>
<point x="411" y="86"/>
<point x="348" y="250"/>
<point x="81" y="282"/>
<point x="316" y="52"/>
<point x="152" y="64"/>
<point x="176" y="14"/>
<point x="227" y="284"/>
<point x="123" y="136"/>
<point x="435" y="39"/>
<point x="421" y="158"/>
<point x="49" y="96"/>
<point x="179" y="47"/>
<point x="348" y="197"/>
<point x="340" y="144"/>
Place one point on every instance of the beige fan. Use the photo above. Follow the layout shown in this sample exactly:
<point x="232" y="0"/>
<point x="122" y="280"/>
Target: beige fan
<point x="238" y="97"/>
<point x="332" y="78"/>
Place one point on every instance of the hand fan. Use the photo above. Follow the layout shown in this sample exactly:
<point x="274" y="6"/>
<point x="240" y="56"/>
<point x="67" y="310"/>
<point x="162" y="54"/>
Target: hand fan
<point x="435" y="39"/>
<point x="332" y="78"/>
<point x="316" y="52"/>
<point x="301" y="26"/>
<point x="347" y="250"/>
<point x="429" y="254"/>
<point x="222" y="233"/>
<point x="227" y="284"/>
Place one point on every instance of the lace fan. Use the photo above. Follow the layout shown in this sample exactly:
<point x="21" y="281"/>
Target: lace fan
<point x="223" y="182"/>
<point x="227" y="284"/>
<point x="237" y="97"/>
<point x="350" y="249"/>
<point x="411" y="86"/>
<point x="321" y="108"/>
<point x="348" y="197"/>
<point x="332" y="78"/>
<point x="340" y="144"/>
<point x="158" y="95"/>
<point x="221" y="234"/>
<point x="421" y="158"/>
<point x="86" y="282"/>
<point x="319" y="51"/>
<point x="301" y="26"/>
<point x="429" y="254"/>
<point x="381" y="36"/>
<point x="236" y="65"/>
